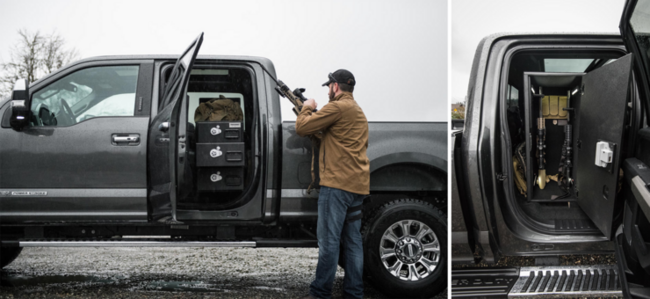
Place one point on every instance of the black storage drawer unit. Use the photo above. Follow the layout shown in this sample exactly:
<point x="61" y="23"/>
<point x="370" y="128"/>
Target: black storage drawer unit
<point x="220" y="154"/>
<point x="219" y="131"/>
<point x="220" y="179"/>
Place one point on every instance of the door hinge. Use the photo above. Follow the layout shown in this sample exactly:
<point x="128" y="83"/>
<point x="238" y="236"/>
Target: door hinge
<point x="501" y="177"/>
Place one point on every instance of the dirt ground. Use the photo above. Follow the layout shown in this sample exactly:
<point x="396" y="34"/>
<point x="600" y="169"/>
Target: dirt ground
<point x="165" y="273"/>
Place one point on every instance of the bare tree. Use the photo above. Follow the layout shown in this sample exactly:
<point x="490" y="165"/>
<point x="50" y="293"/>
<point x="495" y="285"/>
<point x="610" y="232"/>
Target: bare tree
<point x="33" y="56"/>
<point x="55" y="55"/>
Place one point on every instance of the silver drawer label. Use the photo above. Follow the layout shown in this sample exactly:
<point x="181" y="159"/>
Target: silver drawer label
<point x="24" y="193"/>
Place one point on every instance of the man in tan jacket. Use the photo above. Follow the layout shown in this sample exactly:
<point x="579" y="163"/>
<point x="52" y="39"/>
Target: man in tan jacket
<point x="345" y="182"/>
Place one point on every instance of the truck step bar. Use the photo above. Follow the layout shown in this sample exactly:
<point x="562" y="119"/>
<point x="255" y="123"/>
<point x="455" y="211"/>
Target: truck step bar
<point x="542" y="281"/>
<point x="159" y="243"/>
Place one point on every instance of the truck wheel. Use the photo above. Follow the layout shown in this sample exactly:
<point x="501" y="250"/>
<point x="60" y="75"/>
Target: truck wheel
<point x="8" y="255"/>
<point x="405" y="249"/>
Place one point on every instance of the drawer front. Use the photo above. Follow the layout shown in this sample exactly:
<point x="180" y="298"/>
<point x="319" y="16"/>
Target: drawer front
<point x="220" y="179"/>
<point x="220" y="154"/>
<point x="219" y="131"/>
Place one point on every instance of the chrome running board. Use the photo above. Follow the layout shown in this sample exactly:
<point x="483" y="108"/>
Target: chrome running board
<point x="537" y="282"/>
<point x="571" y="281"/>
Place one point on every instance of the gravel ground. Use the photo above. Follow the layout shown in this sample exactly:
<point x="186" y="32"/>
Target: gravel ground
<point x="165" y="273"/>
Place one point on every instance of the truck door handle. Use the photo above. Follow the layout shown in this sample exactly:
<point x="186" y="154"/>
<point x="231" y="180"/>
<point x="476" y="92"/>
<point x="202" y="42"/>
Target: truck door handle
<point x="125" y="139"/>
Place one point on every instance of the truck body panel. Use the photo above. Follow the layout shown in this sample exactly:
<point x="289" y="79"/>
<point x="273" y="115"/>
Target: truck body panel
<point x="284" y="158"/>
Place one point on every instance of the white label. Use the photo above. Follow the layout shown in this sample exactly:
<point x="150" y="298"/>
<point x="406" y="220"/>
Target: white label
<point x="235" y="125"/>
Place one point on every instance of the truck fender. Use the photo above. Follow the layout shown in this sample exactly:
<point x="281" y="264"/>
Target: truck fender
<point x="409" y="157"/>
<point x="408" y="172"/>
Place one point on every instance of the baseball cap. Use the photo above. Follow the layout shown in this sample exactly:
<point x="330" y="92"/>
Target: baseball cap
<point x="341" y="76"/>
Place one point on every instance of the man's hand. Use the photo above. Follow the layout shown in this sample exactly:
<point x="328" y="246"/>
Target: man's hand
<point x="312" y="103"/>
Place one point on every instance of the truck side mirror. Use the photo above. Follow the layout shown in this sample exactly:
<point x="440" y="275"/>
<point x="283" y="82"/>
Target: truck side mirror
<point x="19" y="110"/>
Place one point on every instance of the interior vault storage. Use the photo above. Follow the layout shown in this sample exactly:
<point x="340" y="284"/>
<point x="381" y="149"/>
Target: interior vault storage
<point x="574" y="127"/>
<point x="552" y="104"/>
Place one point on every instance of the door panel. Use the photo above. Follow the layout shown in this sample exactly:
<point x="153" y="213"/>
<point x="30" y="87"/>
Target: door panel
<point x="66" y="165"/>
<point x="633" y="239"/>
<point x="86" y="205"/>
<point x="165" y="143"/>
<point x="635" y="29"/>
<point x="79" y="156"/>
<point x="601" y="115"/>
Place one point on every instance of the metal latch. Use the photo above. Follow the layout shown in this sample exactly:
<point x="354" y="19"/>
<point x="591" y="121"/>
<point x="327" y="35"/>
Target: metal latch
<point x="214" y="153"/>
<point x="215" y="177"/>
<point x="604" y="154"/>
<point x="215" y="131"/>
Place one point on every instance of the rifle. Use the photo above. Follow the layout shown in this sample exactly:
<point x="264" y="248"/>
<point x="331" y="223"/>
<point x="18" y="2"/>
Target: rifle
<point x="295" y="97"/>
<point x="566" y="163"/>
<point x="541" y="136"/>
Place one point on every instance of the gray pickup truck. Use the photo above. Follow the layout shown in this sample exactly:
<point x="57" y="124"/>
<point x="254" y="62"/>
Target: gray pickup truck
<point x="554" y="160"/>
<point x="106" y="152"/>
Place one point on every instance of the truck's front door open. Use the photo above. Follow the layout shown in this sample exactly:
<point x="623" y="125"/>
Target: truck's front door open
<point x="633" y="236"/>
<point x="166" y="145"/>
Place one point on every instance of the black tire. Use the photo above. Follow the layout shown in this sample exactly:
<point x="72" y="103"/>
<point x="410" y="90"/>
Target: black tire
<point x="417" y="214"/>
<point x="8" y="255"/>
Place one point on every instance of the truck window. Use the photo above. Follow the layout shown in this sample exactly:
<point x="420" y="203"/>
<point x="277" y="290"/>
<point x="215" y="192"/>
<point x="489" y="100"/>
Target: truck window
<point x="565" y="65"/>
<point x="85" y="94"/>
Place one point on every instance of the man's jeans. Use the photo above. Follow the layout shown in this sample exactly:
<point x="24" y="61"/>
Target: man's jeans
<point x="333" y="227"/>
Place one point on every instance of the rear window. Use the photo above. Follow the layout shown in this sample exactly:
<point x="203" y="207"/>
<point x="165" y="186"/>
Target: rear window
<point x="566" y="65"/>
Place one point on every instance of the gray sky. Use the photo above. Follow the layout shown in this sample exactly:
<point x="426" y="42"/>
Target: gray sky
<point x="397" y="50"/>
<point x="471" y="20"/>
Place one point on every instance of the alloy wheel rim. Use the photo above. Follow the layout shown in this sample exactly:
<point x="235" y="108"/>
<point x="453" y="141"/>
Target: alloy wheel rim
<point x="409" y="250"/>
